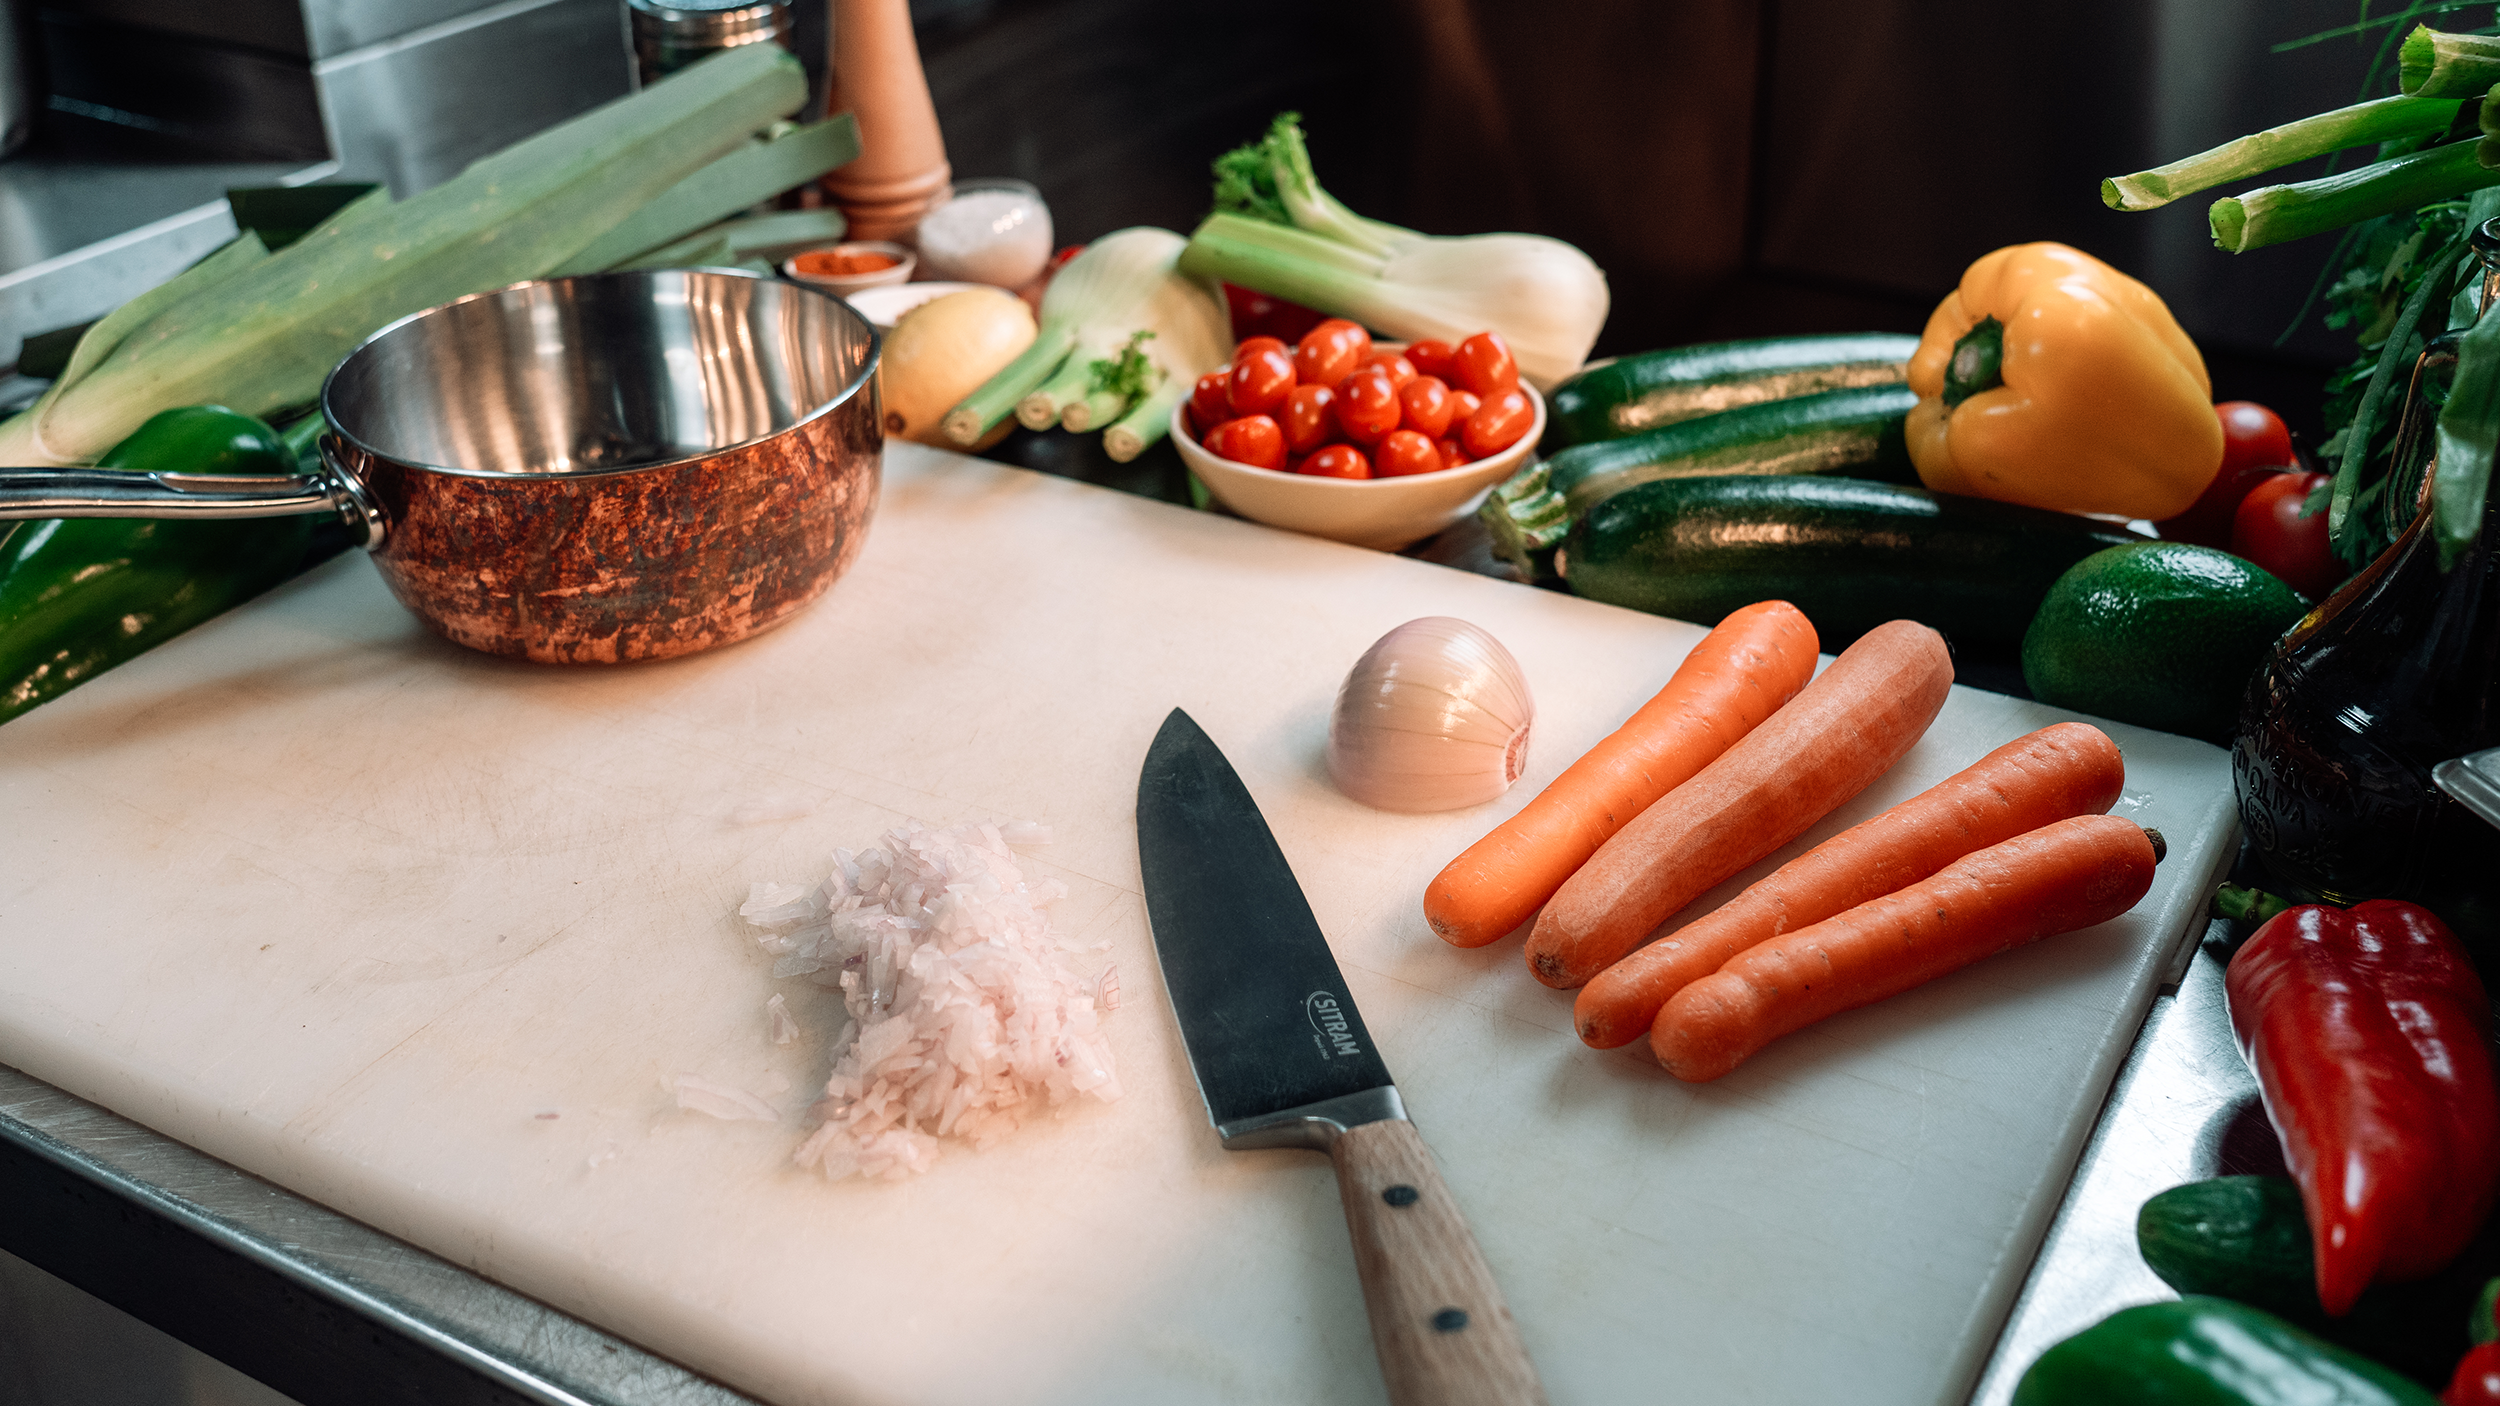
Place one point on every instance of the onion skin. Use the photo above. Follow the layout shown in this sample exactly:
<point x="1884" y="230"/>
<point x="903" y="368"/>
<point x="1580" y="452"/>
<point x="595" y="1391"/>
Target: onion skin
<point x="1435" y="716"/>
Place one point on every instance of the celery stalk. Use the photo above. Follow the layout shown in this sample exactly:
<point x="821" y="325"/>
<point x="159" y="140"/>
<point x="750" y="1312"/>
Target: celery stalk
<point x="2361" y="124"/>
<point x="2275" y="214"/>
<point x="2434" y="64"/>
<point x="265" y="337"/>
<point x="1097" y="408"/>
<point x="981" y="411"/>
<point x="1151" y="420"/>
<point x="1040" y="407"/>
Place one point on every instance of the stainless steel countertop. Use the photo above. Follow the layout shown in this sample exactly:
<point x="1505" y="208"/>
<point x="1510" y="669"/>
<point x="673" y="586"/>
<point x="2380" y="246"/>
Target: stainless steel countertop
<point x="327" y="1310"/>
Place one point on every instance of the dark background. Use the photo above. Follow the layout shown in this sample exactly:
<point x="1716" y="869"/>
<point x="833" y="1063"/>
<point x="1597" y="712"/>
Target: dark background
<point x="1739" y="168"/>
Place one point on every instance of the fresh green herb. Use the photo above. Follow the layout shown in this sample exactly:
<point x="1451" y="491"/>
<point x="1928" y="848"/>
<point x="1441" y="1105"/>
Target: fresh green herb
<point x="1128" y="374"/>
<point x="2469" y="435"/>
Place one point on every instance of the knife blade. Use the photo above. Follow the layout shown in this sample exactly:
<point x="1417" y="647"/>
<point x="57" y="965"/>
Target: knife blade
<point x="1283" y="1059"/>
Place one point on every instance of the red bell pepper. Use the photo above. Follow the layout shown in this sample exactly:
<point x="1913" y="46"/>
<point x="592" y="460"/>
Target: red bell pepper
<point x="2367" y="1028"/>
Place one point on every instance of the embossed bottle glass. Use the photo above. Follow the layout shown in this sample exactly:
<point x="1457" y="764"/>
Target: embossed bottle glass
<point x="2394" y="673"/>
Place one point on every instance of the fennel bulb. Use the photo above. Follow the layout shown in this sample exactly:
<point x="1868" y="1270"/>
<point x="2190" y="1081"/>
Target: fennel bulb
<point x="1281" y="233"/>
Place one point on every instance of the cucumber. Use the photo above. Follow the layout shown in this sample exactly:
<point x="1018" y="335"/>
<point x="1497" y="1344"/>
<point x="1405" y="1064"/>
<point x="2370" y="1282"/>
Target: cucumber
<point x="1635" y="393"/>
<point x="2247" y="1239"/>
<point x="1849" y="553"/>
<point x="1858" y="432"/>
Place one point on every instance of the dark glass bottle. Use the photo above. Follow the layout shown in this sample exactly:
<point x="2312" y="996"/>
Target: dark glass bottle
<point x="2391" y="675"/>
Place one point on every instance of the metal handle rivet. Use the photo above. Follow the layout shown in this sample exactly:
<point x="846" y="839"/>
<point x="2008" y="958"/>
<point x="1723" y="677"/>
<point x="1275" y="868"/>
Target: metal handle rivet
<point x="1449" y="1320"/>
<point x="1401" y="1195"/>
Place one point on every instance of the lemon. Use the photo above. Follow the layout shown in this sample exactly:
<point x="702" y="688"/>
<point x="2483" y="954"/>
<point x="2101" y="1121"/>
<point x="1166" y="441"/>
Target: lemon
<point x="2160" y="634"/>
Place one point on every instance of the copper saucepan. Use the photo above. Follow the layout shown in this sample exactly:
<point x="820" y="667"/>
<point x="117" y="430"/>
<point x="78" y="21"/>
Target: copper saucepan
<point x="583" y="470"/>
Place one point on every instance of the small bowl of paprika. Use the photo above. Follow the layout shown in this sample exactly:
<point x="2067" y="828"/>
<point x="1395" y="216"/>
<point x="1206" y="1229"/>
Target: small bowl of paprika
<point x="847" y="268"/>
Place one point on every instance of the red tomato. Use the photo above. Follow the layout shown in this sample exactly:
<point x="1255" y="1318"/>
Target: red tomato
<point x="1498" y="423"/>
<point x="1431" y="358"/>
<point x="1262" y="377"/>
<point x="1453" y="453"/>
<point x="1338" y="461"/>
<point x="1404" y="452"/>
<point x="1367" y="405"/>
<point x="1462" y="405"/>
<point x="2269" y="530"/>
<point x="1399" y="368"/>
<point x="1424" y="405"/>
<point x="1252" y="440"/>
<point x="1294" y="462"/>
<point x="1484" y="365"/>
<point x="2254" y="445"/>
<point x="1307" y="419"/>
<point x="1327" y="352"/>
<point x="1257" y="314"/>
<point x="1207" y="405"/>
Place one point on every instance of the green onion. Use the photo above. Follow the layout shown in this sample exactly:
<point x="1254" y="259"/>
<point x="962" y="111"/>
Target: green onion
<point x="2433" y="64"/>
<point x="2276" y="214"/>
<point x="263" y="336"/>
<point x="2386" y="119"/>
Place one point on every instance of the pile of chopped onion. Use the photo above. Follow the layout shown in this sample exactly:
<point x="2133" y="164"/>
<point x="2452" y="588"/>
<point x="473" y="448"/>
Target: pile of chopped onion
<point x="961" y="1007"/>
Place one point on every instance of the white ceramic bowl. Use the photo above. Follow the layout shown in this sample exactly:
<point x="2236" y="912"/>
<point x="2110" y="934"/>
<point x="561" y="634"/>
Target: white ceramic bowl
<point x="1384" y="513"/>
<point x="886" y="305"/>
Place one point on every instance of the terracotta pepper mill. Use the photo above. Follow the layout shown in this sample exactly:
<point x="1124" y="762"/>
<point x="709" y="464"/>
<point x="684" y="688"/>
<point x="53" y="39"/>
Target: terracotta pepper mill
<point x="901" y="169"/>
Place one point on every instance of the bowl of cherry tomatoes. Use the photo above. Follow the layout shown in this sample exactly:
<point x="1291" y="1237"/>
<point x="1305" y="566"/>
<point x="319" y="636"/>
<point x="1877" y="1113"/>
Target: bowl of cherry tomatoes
<point x="1375" y="445"/>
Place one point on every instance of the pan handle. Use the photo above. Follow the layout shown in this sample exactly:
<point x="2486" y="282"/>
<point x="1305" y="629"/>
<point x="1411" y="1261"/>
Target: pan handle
<point x="82" y="493"/>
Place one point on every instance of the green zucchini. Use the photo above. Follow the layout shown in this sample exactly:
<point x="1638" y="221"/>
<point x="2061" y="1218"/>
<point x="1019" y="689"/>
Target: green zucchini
<point x="1849" y="553"/>
<point x="1854" y="432"/>
<point x="2201" y="1351"/>
<point x="2247" y="1239"/>
<point x="1631" y="394"/>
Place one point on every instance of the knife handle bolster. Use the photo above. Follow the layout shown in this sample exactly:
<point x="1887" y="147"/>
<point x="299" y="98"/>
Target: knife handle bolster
<point x="1443" y="1333"/>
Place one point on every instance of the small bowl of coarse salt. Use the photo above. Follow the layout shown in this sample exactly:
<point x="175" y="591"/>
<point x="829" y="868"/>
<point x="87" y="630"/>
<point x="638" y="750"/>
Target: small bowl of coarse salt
<point x="986" y="231"/>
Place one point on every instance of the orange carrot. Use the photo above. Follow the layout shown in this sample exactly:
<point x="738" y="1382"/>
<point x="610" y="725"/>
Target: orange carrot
<point x="2069" y="875"/>
<point x="1738" y="675"/>
<point x="1843" y="731"/>
<point x="2062" y="770"/>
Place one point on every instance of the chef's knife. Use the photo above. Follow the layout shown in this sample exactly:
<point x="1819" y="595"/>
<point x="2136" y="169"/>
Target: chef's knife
<point x="1283" y="1060"/>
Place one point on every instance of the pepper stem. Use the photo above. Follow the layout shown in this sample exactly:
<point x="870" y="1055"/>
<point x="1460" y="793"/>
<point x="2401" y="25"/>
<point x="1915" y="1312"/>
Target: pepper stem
<point x="2247" y="905"/>
<point x="1978" y="362"/>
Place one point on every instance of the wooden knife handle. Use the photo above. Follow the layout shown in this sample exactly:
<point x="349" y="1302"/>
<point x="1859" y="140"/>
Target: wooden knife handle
<point x="1444" y="1336"/>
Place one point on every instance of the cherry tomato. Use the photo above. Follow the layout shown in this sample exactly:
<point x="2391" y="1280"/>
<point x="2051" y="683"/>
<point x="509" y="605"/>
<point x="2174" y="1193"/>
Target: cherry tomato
<point x="2255" y="443"/>
<point x="1338" y="461"/>
<point x="1484" y="365"/>
<point x="2476" y="1381"/>
<point x="2269" y="530"/>
<point x="1327" y="352"/>
<point x="1262" y="377"/>
<point x="1462" y="405"/>
<point x="1431" y="358"/>
<point x="1253" y="439"/>
<point x="1307" y="419"/>
<point x="1399" y="368"/>
<point x="1453" y="453"/>
<point x="1404" y="452"/>
<point x="1367" y="405"/>
<point x="1257" y="314"/>
<point x="1424" y="405"/>
<point x="1294" y="462"/>
<point x="1207" y="405"/>
<point x="1498" y="423"/>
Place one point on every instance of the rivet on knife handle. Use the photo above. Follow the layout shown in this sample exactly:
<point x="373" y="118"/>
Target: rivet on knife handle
<point x="1438" y="1320"/>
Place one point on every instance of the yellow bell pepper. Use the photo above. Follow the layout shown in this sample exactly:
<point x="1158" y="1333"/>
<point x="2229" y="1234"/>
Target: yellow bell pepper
<point x="2051" y="379"/>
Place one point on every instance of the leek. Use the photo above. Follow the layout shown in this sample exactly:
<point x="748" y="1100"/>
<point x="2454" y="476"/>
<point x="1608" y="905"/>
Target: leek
<point x="754" y="173"/>
<point x="264" y="335"/>
<point x="1103" y="292"/>
<point x="1278" y="231"/>
<point x="2385" y="119"/>
<point x="2275" y="214"/>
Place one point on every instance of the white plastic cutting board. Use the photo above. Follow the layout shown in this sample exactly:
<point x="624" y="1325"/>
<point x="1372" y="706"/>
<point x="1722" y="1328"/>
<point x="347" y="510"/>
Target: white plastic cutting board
<point x="353" y="908"/>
